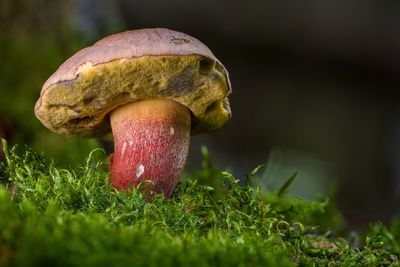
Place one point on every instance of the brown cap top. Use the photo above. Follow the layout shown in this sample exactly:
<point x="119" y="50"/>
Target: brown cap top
<point x="130" y="66"/>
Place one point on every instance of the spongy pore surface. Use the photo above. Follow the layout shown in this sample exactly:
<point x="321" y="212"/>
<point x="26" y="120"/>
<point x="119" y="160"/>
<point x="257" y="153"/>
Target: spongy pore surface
<point x="79" y="103"/>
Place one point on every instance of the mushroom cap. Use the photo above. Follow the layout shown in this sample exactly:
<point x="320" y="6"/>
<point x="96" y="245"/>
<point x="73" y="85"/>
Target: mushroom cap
<point x="131" y="66"/>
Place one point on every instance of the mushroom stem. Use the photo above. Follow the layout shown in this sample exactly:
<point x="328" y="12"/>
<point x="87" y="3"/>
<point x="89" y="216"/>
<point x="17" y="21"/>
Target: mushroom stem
<point x="151" y="142"/>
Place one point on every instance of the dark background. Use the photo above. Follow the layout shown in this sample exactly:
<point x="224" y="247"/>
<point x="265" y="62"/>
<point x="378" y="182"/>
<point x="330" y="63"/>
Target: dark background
<point x="315" y="86"/>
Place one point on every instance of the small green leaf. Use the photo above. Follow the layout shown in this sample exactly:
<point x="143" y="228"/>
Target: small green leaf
<point x="284" y="189"/>
<point x="252" y="174"/>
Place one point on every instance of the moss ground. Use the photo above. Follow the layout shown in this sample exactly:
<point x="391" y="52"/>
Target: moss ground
<point x="51" y="216"/>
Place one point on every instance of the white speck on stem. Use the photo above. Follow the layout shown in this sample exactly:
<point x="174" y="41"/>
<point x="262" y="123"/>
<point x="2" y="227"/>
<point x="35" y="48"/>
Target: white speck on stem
<point x="123" y="148"/>
<point x="171" y="130"/>
<point x="139" y="170"/>
<point x="130" y="142"/>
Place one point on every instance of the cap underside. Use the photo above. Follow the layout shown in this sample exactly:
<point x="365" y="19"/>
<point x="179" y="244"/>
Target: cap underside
<point x="81" y="106"/>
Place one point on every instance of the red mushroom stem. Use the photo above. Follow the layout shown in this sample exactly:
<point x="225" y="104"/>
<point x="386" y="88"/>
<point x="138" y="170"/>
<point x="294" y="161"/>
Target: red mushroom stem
<point x="151" y="142"/>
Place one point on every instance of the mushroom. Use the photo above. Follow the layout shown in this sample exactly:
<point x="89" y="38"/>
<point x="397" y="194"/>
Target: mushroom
<point x="152" y="88"/>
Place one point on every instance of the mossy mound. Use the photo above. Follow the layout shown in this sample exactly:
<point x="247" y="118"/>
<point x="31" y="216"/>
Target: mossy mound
<point x="58" y="217"/>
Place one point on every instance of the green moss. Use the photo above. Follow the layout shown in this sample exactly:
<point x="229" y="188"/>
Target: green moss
<point x="62" y="217"/>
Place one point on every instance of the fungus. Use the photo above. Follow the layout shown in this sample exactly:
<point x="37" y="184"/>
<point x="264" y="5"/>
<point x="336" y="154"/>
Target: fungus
<point x="150" y="88"/>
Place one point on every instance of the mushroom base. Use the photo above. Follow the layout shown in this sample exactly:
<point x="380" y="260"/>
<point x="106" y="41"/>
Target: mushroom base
<point x="151" y="142"/>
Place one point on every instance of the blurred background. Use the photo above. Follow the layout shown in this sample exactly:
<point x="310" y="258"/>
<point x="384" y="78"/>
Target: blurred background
<point x="315" y="86"/>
